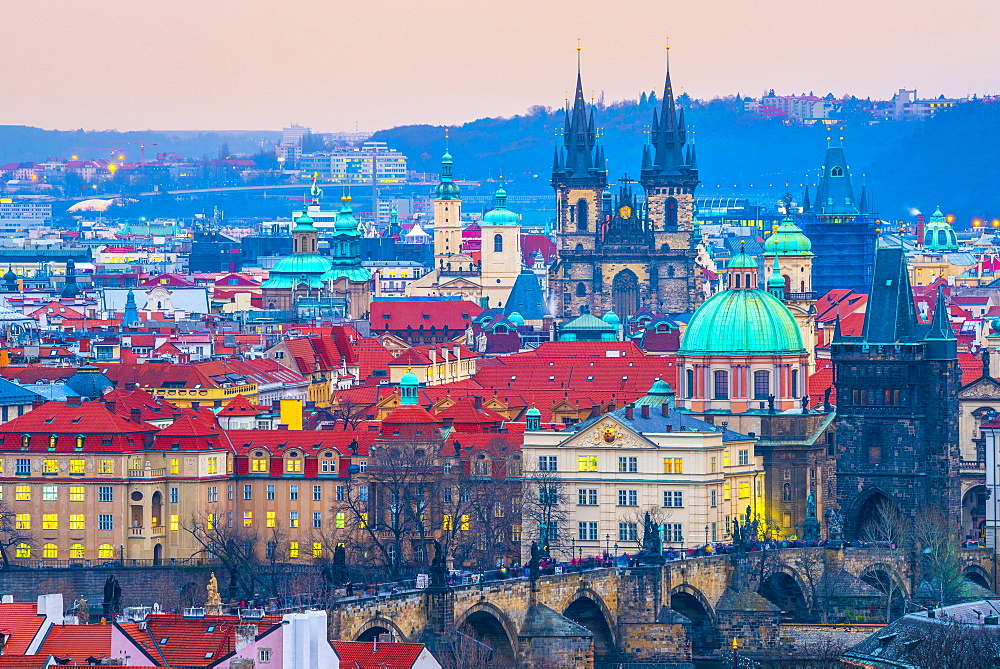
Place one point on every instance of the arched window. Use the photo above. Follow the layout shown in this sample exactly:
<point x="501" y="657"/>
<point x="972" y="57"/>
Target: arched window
<point x="579" y="247"/>
<point x="942" y="238"/>
<point x="76" y="552"/>
<point x="497" y="243"/>
<point x="761" y="384"/>
<point x="736" y="281"/>
<point x="837" y="171"/>
<point x="795" y="383"/>
<point x="670" y="213"/>
<point x="689" y="383"/>
<point x="581" y="290"/>
<point x="22" y="550"/>
<point x="582" y="216"/>
<point x="721" y="385"/>
<point x="106" y="551"/>
<point x="50" y="551"/>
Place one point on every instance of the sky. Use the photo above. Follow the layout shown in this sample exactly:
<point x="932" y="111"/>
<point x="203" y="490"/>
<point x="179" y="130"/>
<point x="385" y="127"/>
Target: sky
<point x="341" y="65"/>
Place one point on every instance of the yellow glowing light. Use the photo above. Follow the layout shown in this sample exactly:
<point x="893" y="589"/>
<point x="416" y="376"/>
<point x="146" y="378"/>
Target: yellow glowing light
<point x="996" y="222"/>
<point x="949" y="218"/>
<point x="121" y="156"/>
<point x="74" y="157"/>
<point x="977" y="222"/>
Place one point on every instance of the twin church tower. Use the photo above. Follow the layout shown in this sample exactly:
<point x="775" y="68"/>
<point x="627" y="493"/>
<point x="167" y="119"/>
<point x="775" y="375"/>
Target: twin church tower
<point x="620" y="252"/>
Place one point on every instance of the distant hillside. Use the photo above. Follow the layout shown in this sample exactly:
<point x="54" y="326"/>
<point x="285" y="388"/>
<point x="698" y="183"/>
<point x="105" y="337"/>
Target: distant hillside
<point x="950" y="160"/>
<point x="25" y="143"/>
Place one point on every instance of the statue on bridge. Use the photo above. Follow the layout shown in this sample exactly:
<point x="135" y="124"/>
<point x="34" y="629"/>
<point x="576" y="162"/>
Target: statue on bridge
<point x="652" y="543"/>
<point x="439" y="570"/>
<point x="834" y="524"/>
<point x="811" y="528"/>
<point x="112" y="603"/>
<point x="534" y="564"/>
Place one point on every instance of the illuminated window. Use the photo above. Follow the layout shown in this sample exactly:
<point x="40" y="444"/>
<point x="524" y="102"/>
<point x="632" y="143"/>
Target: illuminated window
<point x="272" y="520"/>
<point x="22" y="521"/>
<point x="136" y="463"/>
<point x="248" y="519"/>
<point x="210" y="521"/>
<point x="175" y="522"/>
<point x="105" y="551"/>
<point x="50" y="493"/>
<point x="76" y="521"/>
<point x="515" y="532"/>
<point x="446" y="522"/>
<point x="725" y="492"/>
<point x="340" y="520"/>
<point x="22" y="493"/>
<point x="293" y="466"/>
<point x="50" y="521"/>
<point x="258" y="465"/>
<point x="363" y="522"/>
<point x="106" y="467"/>
<point x="213" y="465"/>
<point x="587" y="463"/>
<point x="744" y="489"/>
<point x="76" y="552"/>
<point x="50" y="466"/>
<point x="293" y="518"/>
<point x="673" y="465"/>
<point x="466" y="525"/>
<point x="22" y="551"/>
<point x="77" y="466"/>
<point x="725" y="459"/>
<point x="175" y="466"/>
<point x="317" y="549"/>
<point x="293" y="549"/>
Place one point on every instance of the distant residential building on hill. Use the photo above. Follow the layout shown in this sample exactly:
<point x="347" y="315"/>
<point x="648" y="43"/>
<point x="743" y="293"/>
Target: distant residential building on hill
<point x="354" y="165"/>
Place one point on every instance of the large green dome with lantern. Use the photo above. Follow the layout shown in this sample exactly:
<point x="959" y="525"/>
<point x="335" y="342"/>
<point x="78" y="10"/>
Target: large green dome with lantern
<point x="741" y="321"/>
<point x="788" y="240"/>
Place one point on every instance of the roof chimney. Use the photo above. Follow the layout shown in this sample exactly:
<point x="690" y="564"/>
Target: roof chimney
<point x="644" y="410"/>
<point x="136" y="414"/>
<point x="478" y="403"/>
<point x="629" y="412"/>
<point x="664" y="409"/>
<point x="74" y="400"/>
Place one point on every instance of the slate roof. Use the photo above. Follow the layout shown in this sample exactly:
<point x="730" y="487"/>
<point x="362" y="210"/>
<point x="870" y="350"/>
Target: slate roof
<point x="541" y="621"/>
<point x="744" y="600"/>
<point x="526" y="297"/>
<point x="657" y="423"/>
<point x="11" y="394"/>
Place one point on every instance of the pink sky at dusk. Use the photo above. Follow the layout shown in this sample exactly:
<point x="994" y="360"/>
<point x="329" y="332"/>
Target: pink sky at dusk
<point x="332" y="65"/>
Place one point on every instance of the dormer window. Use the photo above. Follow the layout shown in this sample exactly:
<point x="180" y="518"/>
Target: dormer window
<point x="837" y="171"/>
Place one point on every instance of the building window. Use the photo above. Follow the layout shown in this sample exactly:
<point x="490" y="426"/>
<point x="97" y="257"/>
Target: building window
<point x="294" y="466"/>
<point x="546" y="463"/>
<point x="23" y="466"/>
<point x="50" y="466"/>
<point x="587" y="531"/>
<point x="293" y="518"/>
<point x="498" y="243"/>
<point x="247" y="491"/>
<point x="76" y="493"/>
<point x="628" y="532"/>
<point x="77" y="467"/>
<point x="674" y="498"/>
<point x="795" y="383"/>
<point x="76" y="552"/>
<point x="744" y="457"/>
<point x="362" y="466"/>
<point x="630" y="465"/>
<point x="270" y="491"/>
<point x="587" y="496"/>
<point x="721" y="385"/>
<point x="317" y="493"/>
<point x="587" y="463"/>
<point x="673" y="533"/>
<point x="341" y="492"/>
<point x="76" y="521"/>
<point x="269" y="549"/>
<point x="22" y="521"/>
<point x="670" y="212"/>
<point x="264" y="655"/>
<point x="22" y="493"/>
<point x="105" y="552"/>
<point x="628" y="498"/>
<point x="725" y="492"/>
<point x="689" y="383"/>
<point x="317" y="549"/>
<point x="293" y="492"/>
<point x="466" y="524"/>
<point x="50" y="551"/>
<point x="106" y="467"/>
<point x="713" y="496"/>
<point x="317" y="520"/>
<point x="548" y="496"/>
<point x="105" y="521"/>
<point x="673" y="465"/>
<point x="248" y="519"/>
<point x="213" y="465"/>
<point x="213" y="493"/>
<point x="582" y="215"/>
<point x="259" y="465"/>
<point x="175" y="495"/>
<point x="175" y="466"/>
<point x="175" y="522"/>
<point x="272" y="519"/>
<point x="50" y="521"/>
<point x="362" y="493"/>
<point x="293" y="549"/>
<point x="340" y="520"/>
<point x="105" y="493"/>
<point x="329" y="466"/>
<point x="713" y="464"/>
<point x="744" y="489"/>
<point x="761" y="385"/>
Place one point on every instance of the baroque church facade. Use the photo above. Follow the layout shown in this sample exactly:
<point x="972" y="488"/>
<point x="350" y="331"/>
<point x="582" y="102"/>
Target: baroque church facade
<point x="623" y="252"/>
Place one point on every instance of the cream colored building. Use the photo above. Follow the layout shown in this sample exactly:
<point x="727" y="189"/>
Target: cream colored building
<point x="691" y="477"/>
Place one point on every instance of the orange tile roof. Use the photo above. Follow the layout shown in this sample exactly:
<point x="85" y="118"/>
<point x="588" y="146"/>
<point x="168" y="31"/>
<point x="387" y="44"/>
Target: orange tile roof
<point x="21" y="622"/>
<point x="77" y="642"/>
<point x="240" y="406"/>
<point x="189" y="642"/>
<point x="372" y="655"/>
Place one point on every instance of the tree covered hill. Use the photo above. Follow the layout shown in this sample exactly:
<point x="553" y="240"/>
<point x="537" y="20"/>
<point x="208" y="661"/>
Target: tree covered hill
<point x="951" y="160"/>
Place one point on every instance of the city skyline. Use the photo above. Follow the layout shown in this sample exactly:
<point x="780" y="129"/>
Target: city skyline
<point x="189" y="67"/>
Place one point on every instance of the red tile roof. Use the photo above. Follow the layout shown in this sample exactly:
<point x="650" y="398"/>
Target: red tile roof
<point x="373" y="655"/>
<point x="21" y="622"/>
<point x="240" y="406"/>
<point x="77" y="642"/>
<point x="189" y="642"/>
<point x="392" y="315"/>
<point x="97" y="421"/>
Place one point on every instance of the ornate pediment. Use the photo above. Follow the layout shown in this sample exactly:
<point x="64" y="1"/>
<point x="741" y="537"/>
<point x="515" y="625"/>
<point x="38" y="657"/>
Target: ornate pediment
<point x="608" y="432"/>
<point x="985" y="388"/>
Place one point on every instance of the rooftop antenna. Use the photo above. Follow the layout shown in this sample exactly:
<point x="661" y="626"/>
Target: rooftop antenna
<point x="668" y="56"/>
<point x="578" y="48"/>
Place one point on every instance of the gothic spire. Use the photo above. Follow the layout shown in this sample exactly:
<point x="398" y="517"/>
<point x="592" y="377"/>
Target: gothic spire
<point x="890" y="317"/>
<point x="940" y="329"/>
<point x="579" y="138"/>
<point x="668" y="133"/>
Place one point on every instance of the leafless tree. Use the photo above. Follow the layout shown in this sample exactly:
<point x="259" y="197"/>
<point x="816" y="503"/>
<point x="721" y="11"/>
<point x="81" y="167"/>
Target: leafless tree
<point x="809" y="562"/>
<point x="347" y="412"/>
<point x="944" y="645"/>
<point x="938" y="543"/>
<point x="493" y="514"/>
<point x="10" y="534"/>
<point x="890" y="534"/>
<point x="544" y="505"/>
<point x="237" y="548"/>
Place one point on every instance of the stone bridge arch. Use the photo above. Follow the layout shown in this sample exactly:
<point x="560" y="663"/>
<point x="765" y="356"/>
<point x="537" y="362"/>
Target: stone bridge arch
<point x="379" y="625"/>
<point x="587" y="608"/>
<point x="785" y="588"/>
<point x="488" y="625"/>
<point x="691" y="603"/>
<point x="885" y="578"/>
<point x="978" y="575"/>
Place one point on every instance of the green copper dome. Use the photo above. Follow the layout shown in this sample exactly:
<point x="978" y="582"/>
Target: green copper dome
<point x="611" y="318"/>
<point x="303" y="223"/>
<point x="516" y="318"/>
<point x="659" y="393"/>
<point x="741" y="322"/>
<point x="938" y="233"/>
<point x="500" y="214"/>
<point x="742" y="261"/>
<point x="788" y="240"/>
<point x="352" y="274"/>
<point x="447" y="189"/>
<point x="301" y="263"/>
<point x="533" y="412"/>
<point x="346" y="223"/>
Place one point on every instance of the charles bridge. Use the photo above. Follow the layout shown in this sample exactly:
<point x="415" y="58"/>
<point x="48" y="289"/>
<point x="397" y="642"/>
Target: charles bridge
<point x="661" y="615"/>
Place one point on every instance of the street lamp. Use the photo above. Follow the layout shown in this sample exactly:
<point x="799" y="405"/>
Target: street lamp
<point x="607" y="544"/>
<point x="706" y="535"/>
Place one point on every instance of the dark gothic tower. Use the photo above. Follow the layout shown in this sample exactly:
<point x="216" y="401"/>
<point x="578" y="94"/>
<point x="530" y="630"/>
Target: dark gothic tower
<point x="841" y="229"/>
<point x="897" y="406"/>
<point x="669" y="175"/>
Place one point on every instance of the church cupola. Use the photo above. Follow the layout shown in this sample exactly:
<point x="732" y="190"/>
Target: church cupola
<point x="776" y="283"/>
<point x="533" y="419"/>
<point x="741" y="271"/>
<point x="939" y="236"/>
<point x="447" y="189"/>
<point x="409" y="385"/>
<point x="304" y="235"/>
